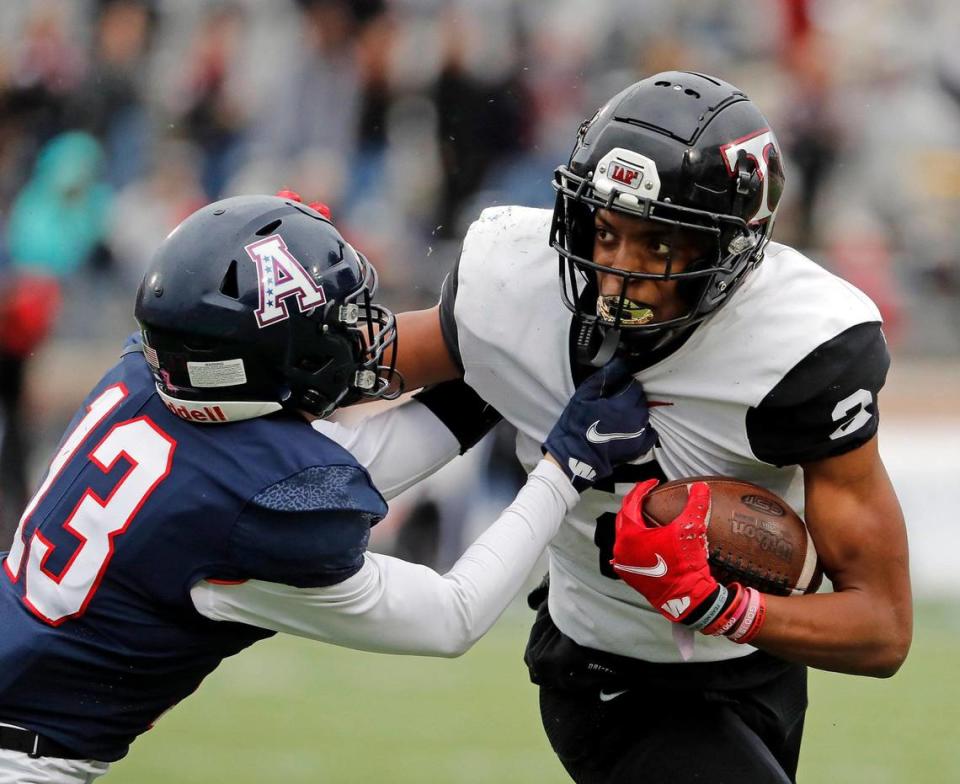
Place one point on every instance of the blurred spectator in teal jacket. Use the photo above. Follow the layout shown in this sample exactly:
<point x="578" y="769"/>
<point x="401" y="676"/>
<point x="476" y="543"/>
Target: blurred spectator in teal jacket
<point x="58" y="219"/>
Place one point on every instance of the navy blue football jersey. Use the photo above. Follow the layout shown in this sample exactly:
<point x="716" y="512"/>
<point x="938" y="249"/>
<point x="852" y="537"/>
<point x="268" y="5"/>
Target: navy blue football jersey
<point x="99" y="632"/>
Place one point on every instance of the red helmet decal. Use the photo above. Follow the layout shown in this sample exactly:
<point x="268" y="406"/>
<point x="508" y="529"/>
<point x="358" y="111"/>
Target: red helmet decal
<point x="626" y="174"/>
<point x="760" y="147"/>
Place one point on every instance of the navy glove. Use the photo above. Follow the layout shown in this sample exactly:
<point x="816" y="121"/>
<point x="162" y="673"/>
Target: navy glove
<point x="605" y="423"/>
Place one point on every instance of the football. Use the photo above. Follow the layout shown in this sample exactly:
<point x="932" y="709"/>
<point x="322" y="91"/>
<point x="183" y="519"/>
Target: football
<point x="753" y="536"/>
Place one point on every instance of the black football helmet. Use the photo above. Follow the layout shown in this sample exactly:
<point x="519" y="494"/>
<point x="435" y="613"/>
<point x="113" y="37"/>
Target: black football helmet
<point x="255" y="304"/>
<point x="682" y="149"/>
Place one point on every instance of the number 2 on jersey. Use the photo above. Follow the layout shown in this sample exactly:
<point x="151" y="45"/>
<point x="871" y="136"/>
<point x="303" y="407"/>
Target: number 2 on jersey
<point x="94" y="522"/>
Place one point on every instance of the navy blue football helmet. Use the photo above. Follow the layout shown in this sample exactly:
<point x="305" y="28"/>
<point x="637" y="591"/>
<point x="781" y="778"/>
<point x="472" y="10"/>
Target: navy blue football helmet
<point x="257" y="304"/>
<point x="681" y="149"/>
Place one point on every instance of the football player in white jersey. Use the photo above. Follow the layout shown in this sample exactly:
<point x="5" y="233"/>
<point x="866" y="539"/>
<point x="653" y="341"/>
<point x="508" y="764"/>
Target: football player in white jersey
<point x="757" y="363"/>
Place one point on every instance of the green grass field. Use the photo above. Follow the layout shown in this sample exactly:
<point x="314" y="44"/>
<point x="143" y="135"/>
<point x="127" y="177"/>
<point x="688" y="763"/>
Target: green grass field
<point x="292" y="711"/>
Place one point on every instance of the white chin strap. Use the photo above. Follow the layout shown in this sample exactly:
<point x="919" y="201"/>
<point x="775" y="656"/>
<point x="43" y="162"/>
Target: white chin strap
<point x="217" y="412"/>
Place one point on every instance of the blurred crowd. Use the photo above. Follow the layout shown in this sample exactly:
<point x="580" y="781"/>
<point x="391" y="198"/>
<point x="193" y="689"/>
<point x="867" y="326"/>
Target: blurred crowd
<point x="120" y="117"/>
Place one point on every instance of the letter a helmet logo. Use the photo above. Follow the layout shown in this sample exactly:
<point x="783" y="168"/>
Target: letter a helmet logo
<point x="281" y="277"/>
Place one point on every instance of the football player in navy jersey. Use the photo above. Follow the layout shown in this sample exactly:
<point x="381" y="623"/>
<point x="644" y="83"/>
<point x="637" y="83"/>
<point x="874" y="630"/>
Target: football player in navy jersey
<point x="758" y="364"/>
<point x="191" y="509"/>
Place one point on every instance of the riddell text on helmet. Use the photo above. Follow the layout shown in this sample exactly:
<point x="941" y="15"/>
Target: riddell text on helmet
<point x="205" y="414"/>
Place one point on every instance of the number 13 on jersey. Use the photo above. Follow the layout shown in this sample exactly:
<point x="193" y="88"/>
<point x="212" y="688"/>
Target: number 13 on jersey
<point x="94" y="522"/>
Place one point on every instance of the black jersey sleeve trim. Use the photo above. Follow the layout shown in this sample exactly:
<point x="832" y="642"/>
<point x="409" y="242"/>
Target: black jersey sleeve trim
<point x="467" y="415"/>
<point x="448" y="321"/>
<point x="826" y="405"/>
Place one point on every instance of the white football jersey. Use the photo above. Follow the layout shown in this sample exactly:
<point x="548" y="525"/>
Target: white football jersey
<point x="786" y="371"/>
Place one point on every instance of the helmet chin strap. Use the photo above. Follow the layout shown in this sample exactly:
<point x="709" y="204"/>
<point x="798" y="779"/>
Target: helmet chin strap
<point x="598" y="343"/>
<point x="608" y="347"/>
<point x="619" y="310"/>
<point x="595" y="346"/>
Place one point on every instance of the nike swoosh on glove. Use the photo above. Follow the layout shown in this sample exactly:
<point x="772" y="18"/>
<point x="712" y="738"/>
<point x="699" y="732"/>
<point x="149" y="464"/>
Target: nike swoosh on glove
<point x="667" y="564"/>
<point x="605" y="423"/>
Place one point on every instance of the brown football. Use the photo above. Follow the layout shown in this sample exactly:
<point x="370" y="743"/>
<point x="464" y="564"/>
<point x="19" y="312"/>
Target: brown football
<point x="754" y="537"/>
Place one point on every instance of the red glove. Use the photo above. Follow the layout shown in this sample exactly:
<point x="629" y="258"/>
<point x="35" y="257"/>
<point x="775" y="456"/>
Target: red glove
<point x="668" y="565"/>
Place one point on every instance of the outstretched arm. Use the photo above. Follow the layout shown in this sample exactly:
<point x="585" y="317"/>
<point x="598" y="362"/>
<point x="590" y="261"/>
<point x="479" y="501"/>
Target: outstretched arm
<point x="393" y="606"/>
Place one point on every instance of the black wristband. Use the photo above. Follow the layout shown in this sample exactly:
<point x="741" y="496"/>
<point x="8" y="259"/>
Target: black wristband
<point x="710" y="608"/>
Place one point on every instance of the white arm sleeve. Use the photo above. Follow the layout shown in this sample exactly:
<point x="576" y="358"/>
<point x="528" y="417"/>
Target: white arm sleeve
<point x="393" y="606"/>
<point x="399" y="446"/>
